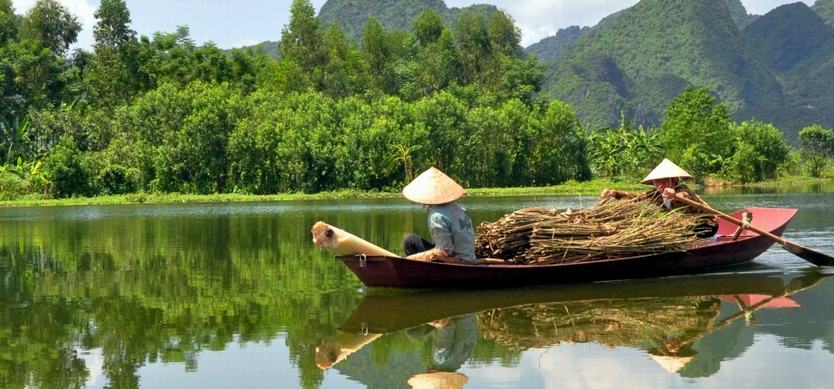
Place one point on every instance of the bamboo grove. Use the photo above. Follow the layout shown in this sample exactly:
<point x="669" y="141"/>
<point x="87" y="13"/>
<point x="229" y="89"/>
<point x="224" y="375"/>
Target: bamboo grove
<point x="163" y="114"/>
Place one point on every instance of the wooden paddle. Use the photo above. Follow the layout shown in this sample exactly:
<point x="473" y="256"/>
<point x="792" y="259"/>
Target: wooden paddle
<point x="813" y="256"/>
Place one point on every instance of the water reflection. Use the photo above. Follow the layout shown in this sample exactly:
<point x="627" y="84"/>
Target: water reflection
<point x="235" y="295"/>
<point x="682" y="324"/>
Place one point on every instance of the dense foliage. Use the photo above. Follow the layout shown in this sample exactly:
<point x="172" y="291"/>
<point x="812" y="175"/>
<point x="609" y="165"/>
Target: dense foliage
<point x="818" y="147"/>
<point x="163" y="114"/>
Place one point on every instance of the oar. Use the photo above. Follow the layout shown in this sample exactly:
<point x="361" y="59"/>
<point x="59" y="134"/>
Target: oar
<point x="799" y="284"/>
<point x="813" y="256"/>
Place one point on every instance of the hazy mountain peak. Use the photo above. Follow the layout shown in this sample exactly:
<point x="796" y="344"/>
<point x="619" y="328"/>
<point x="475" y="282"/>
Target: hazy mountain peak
<point x="825" y="9"/>
<point x="739" y="13"/>
<point x="786" y="35"/>
<point x="550" y="48"/>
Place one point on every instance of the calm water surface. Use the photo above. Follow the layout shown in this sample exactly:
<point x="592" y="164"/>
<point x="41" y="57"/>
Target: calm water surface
<point x="235" y="295"/>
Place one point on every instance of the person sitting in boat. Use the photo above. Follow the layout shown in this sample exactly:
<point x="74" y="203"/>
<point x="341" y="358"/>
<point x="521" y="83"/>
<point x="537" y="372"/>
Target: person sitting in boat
<point x="453" y="343"/>
<point x="450" y="226"/>
<point x="669" y="181"/>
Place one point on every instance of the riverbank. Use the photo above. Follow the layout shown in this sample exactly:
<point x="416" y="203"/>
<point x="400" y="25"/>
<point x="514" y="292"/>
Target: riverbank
<point x="593" y="187"/>
<point x="587" y="188"/>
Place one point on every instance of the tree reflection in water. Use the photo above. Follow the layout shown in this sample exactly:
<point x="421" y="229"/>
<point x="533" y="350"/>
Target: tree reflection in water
<point x="685" y="334"/>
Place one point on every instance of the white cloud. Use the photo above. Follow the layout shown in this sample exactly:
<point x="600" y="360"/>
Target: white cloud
<point x="538" y="17"/>
<point x="245" y="42"/>
<point x="760" y="7"/>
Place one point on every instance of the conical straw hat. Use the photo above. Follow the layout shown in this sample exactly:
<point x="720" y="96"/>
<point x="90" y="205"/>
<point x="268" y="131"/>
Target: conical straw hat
<point x="666" y="169"/>
<point x="433" y="187"/>
<point x="671" y="364"/>
<point x="438" y="380"/>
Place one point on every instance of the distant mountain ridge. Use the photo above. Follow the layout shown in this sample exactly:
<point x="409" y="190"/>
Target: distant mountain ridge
<point x="776" y="67"/>
<point x="653" y="51"/>
<point x="798" y="46"/>
<point x="551" y="48"/>
<point x="739" y="13"/>
<point x="351" y="15"/>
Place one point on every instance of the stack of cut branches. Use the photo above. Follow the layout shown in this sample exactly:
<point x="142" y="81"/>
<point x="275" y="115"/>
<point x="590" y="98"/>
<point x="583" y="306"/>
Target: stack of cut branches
<point x="609" y="229"/>
<point x="644" y="322"/>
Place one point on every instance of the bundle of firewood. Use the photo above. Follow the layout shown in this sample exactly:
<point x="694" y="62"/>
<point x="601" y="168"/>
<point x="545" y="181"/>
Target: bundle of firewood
<point x="643" y="322"/>
<point x="608" y="229"/>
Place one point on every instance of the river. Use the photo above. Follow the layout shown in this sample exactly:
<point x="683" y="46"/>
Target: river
<point x="236" y="295"/>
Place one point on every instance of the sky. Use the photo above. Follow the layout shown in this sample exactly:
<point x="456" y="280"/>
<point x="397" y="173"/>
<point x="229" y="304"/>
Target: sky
<point x="236" y="23"/>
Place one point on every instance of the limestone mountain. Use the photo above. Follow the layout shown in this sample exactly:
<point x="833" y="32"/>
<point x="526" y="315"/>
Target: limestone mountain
<point x="550" y="48"/>
<point x="652" y="51"/>
<point x="787" y="35"/>
<point x="799" y="48"/>
<point x="739" y="13"/>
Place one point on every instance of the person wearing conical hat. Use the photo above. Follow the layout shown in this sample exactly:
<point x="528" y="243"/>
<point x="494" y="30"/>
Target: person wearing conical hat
<point x="454" y="340"/>
<point x="669" y="180"/>
<point x="450" y="226"/>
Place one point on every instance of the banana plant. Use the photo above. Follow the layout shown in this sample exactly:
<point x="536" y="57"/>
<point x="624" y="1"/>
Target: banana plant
<point x="14" y="134"/>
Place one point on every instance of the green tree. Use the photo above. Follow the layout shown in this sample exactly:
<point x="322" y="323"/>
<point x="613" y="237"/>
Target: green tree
<point x="68" y="170"/>
<point x="379" y="56"/>
<point x="559" y="151"/>
<point x="32" y="71"/>
<point x="433" y="68"/>
<point x="193" y="158"/>
<point x="474" y="47"/>
<point x="16" y="140"/>
<point x="504" y="36"/>
<point x="760" y="150"/>
<point x="697" y="132"/>
<point x="624" y="151"/>
<point x="428" y="27"/>
<point x="114" y="75"/>
<point x="344" y="72"/>
<point x="444" y="118"/>
<point x="521" y="78"/>
<point x="52" y="25"/>
<point x="517" y="120"/>
<point x="8" y="23"/>
<point x="301" y="39"/>
<point x="486" y="158"/>
<point x="817" y="147"/>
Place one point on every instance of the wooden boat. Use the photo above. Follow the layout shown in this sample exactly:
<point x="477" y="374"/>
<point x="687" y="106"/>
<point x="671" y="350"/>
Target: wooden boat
<point x="716" y="252"/>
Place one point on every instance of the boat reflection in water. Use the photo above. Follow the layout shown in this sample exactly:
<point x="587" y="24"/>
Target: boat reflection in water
<point x="681" y="323"/>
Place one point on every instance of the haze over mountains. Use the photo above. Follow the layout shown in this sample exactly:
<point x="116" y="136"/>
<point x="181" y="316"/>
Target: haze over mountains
<point x="777" y="67"/>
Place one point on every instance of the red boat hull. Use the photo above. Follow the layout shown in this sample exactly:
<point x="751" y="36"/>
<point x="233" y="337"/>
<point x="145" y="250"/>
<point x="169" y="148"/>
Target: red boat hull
<point x="720" y="251"/>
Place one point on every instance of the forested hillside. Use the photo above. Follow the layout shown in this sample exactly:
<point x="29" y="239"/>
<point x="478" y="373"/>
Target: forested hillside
<point x="551" y="48"/>
<point x="653" y="51"/>
<point x="739" y="13"/>
<point x="799" y="49"/>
